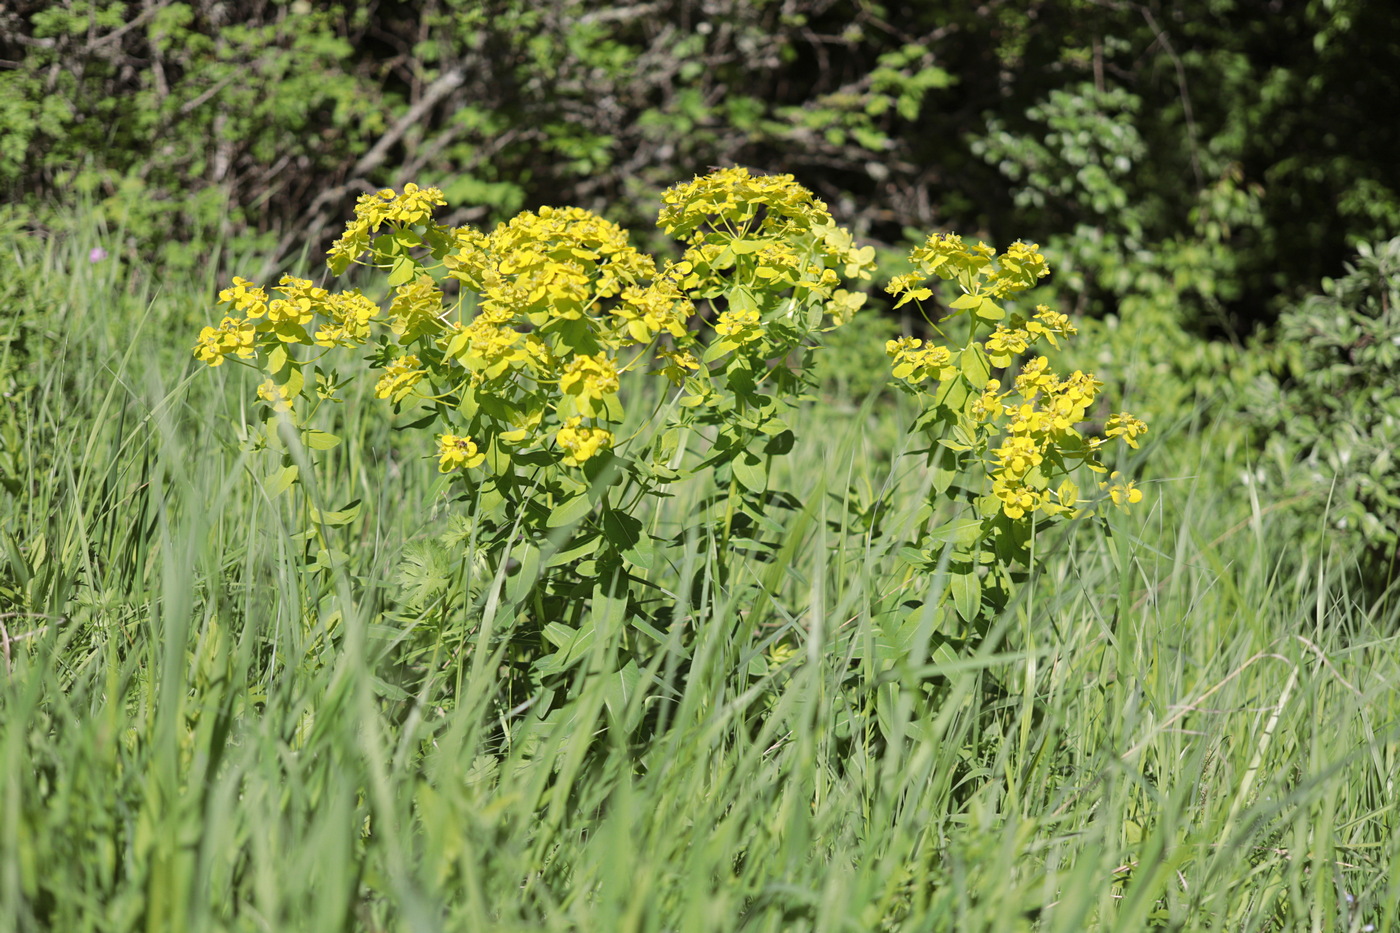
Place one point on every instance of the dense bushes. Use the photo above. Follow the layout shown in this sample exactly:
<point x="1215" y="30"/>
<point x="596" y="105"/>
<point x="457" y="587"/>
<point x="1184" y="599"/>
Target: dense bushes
<point x="1330" y="417"/>
<point x="1206" y="155"/>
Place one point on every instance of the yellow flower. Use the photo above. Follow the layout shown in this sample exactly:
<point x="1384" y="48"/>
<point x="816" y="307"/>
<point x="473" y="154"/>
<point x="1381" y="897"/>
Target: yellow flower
<point x="678" y="362"/>
<point x="275" y="395"/>
<point x="588" y="379"/>
<point x="399" y="377"/>
<point x="1125" y="426"/>
<point x="1122" y="494"/>
<point x="1004" y="343"/>
<point x="913" y="362"/>
<point x="415" y="307"/>
<point x="647" y="312"/>
<point x="739" y="326"/>
<point x="581" y="444"/>
<point x="232" y="336"/>
<point x="734" y="199"/>
<point x="350" y="314"/>
<point x="245" y="297"/>
<point x="1018" y="499"/>
<point x="456" y="451"/>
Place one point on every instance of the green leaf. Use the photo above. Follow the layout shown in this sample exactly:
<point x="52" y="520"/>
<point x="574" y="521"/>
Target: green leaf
<point x="960" y="532"/>
<point x="751" y="471"/>
<point x="621" y="688"/>
<point x="989" y="310"/>
<point x="342" y="516"/>
<point x="276" y="359"/>
<point x="580" y="547"/>
<point x="521" y="580"/>
<point x="282" y="480"/>
<point x="570" y="512"/>
<point x="966" y="590"/>
<point x="319" y="440"/>
<point x="973" y="363"/>
<point x="402" y="271"/>
<point x="779" y="443"/>
<point x="295" y="380"/>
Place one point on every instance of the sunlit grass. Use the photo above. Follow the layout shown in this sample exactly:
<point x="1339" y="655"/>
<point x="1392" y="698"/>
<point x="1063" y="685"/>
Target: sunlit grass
<point x="1192" y="727"/>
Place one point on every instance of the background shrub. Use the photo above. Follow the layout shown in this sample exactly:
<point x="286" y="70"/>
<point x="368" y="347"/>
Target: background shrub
<point x="1204" y="153"/>
<point x="1329" y="417"/>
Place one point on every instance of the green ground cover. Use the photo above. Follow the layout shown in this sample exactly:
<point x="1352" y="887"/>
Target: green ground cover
<point x="1190" y="725"/>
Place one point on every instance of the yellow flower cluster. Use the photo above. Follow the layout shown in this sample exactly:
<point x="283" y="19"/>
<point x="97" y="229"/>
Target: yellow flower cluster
<point x="914" y="362"/>
<point x="233" y="337"/>
<point x="542" y="269"/>
<point x="763" y="234"/>
<point x="1125" y="426"/>
<point x="739" y="326"/>
<point x="455" y="452"/>
<point x="415" y="308"/>
<point x="1123" y="494"/>
<point x="284" y="317"/>
<point x="588" y="380"/>
<point x="1042" y="426"/>
<point x="275" y="395"/>
<point x="679" y="363"/>
<point x="347" y="320"/>
<point x="399" y="377"/>
<point x="735" y="200"/>
<point x="581" y="444"/>
<point x="372" y="211"/>
<point x="1037" y="428"/>
<point x="552" y="298"/>
<point x="984" y="277"/>
<point x="1017" y="335"/>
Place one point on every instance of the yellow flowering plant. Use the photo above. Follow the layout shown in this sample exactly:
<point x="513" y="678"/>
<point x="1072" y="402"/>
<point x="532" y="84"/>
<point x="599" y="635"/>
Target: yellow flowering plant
<point x="512" y="345"/>
<point x="1007" y="433"/>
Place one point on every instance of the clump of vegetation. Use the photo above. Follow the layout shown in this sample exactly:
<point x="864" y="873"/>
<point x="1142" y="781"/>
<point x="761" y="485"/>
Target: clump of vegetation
<point x="518" y="376"/>
<point x="1329" y="416"/>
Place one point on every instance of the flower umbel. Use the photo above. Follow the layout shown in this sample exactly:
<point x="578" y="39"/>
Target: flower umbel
<point x="581" y="444"/>
<point x="457" y="452"/>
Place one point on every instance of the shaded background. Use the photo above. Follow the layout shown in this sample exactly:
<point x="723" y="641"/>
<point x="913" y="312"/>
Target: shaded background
<point x="1213" y="156"/>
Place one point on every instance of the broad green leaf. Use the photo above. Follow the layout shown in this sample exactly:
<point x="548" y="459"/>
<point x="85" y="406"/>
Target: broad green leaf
<point x="570" y="512"/>
<point x="743" y="247"/>
<point x="973" y="363"/>
<point x="280" y="481"/>
<point x="276" y="359"/>
<point x="621" y="688"/>
<point x="402" y="272"/>
<point x="319" y="440"/>
<point x="960" y="532"/>
<point x="342" y="516"/>
<point x="579" y="549"/>
<point x="751" y="471"/>
<point x="295" y="380"/>
<point x="522" y="578"/>
<point x="989" y="310"/>
<point x="966" y="590"/>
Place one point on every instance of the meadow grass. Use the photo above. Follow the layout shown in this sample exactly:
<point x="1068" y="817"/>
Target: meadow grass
<point x="1187" y="726"/>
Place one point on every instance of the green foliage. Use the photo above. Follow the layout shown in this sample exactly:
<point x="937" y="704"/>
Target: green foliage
<point x="1189" y="164"/>
<point x="1192" y="155"/>
<point x="558" y="478"/>
<point x="205" y="727"/>
<point x="1329" y="417"/>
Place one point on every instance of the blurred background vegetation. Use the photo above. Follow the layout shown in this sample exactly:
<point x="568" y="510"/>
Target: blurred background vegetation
<point x="1218" y="155"/>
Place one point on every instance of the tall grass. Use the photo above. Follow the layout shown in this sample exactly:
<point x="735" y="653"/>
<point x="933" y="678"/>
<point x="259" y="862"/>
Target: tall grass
<point x="203" y="727"/>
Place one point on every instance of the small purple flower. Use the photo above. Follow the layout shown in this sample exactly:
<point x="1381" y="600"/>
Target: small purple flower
<point x="97" y="254"/>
